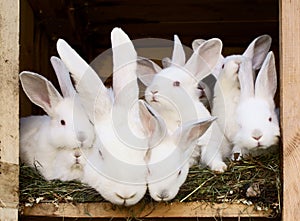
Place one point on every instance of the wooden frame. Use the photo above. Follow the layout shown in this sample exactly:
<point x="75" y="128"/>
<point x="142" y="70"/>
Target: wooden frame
<point x="9" y="110"/>
<point x="290" y="105"/>
<point x="9" y="125"/>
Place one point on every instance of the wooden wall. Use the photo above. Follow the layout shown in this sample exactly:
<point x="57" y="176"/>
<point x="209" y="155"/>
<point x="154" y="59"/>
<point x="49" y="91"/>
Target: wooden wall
<point x="290" y="106"/>
<point x="9" y="110"/>
<point x="34" y="53"/>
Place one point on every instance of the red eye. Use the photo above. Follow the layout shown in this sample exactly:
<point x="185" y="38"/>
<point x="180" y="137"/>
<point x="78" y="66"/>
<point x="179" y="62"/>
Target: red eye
<point x="62" y="122"/>
<point x="270" y="119"/>
<point x="176" y="83"/>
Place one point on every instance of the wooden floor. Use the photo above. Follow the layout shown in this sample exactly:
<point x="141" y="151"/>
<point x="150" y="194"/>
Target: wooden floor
<point x="156" y="210"/>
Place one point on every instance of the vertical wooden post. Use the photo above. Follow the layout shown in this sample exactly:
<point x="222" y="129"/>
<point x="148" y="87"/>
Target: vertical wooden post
<point x="9" y="109"/>
<point x="290" y="105"/>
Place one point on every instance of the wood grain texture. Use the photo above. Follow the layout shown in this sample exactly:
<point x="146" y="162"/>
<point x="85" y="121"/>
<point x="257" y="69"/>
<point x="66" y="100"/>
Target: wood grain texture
<point x="8" y="214"/>
<point x="9" y="87"/>
<point x="9" y="109"/>
<point x="290" y="105"/>
<point x="172" y="210"/>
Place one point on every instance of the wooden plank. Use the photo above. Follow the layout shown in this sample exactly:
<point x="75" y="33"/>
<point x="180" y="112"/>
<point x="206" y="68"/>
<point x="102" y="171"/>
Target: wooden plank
<point x="231" y="33"/>
<point x="9" y="87"/>
<point x="8" y="214"/>
<point x="155" y="210"/>
<point x="26" y="52"/>
<point x="169" y="11"/>
<point x="9" y="185"/>
<point x="290" y="106"/>
<point x="9" y="109"/>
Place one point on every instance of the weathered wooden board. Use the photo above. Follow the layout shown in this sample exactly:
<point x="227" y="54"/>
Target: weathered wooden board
<point x="104" y="210"/>
<point x="9" y="109"/>
<point x="290" y="106"/>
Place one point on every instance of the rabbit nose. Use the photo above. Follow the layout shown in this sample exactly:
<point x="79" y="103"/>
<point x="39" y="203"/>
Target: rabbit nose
<point x="77" y="153"/>
<point x="163" y="195"/>
<point x="81" y="136"/>
<point x="257" y="134"/>
<point x="154" y="92"/>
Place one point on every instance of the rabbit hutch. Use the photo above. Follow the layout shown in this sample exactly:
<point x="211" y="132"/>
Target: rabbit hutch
<point x="29" y="30"/>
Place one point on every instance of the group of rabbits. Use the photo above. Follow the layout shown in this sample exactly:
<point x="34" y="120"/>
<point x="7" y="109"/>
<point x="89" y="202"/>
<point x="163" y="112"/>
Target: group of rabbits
<point x="121" y="145"/>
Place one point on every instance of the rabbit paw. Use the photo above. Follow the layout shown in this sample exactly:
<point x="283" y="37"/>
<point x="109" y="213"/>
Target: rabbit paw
<point x="219" y="167"/>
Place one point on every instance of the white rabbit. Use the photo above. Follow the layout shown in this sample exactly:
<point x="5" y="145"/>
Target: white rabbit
<point x="174" y="93"/>
<point x="256" y="115"/>
<point x="117" y="170"/>
<point x="227" y="87"/>
<point x="69" y="162"/>
<point x="168" y="159"/>
<point x="65" y="127"/>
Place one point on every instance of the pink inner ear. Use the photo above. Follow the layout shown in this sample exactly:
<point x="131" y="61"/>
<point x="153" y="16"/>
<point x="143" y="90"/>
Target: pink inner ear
<point x="44" y="99"/>
<point x="176" y="83"/>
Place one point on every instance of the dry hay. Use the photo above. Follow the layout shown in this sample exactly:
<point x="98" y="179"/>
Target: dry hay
<point x="253" y="181"/>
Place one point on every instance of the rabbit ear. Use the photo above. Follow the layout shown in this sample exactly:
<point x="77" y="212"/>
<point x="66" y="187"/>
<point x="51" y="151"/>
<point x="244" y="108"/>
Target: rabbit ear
<point x="153" y="124"/>
<point x="40" y="91"/>
<point x="124" y="66"/>
<point x="258" y="49"/>
<point x="63" y="77"/>
<point x="197" y="43"/>
<point x="94" y="95"/>
<point x="246" y="79"/>
<point x="178" y="56"/>
<point x="266" y="81"/>
<point x="190" y="132"/>
<point x="146" y="70"/>
<point x="205" y="58"/>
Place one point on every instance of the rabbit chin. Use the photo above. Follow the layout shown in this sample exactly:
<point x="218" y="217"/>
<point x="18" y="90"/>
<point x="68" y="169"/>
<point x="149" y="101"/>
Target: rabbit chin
<point x="128" y="197"/>
<point x="156" y="193"/>
<point x="251" y="145"/>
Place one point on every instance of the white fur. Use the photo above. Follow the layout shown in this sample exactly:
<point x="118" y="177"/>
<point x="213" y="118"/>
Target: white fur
<point x="117" y="168"/>
<point x="256" y="115"/>
<point x="227" y="88"/>
<point x="180" y="104"/>
<point x="41" y="137"/>
<point x="168" y="155"/>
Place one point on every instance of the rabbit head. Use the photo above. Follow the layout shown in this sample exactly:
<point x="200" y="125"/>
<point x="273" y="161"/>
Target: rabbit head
<point x="119" y="172"/>
<point x="168" y="155"/>
<point x="69" y="126"/>
<point x="256" y="116"/>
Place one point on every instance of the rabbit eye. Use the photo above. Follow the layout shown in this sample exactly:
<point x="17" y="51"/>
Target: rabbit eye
<point x="62" y="122"/>
<point x="270" y="119"/>
<point x="223" y="66"/>
<point x="179" y="172"/>
<point x="176" y="83"/>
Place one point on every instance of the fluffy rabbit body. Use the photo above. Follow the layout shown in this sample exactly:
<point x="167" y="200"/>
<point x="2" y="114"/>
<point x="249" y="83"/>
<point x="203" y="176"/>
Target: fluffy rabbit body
<point x="256" y="115"/>
<point x="117" y="168"/>
<point x="174" y="93"/>
<point x="65" y="127"/>
<point x="227" y="88"/>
